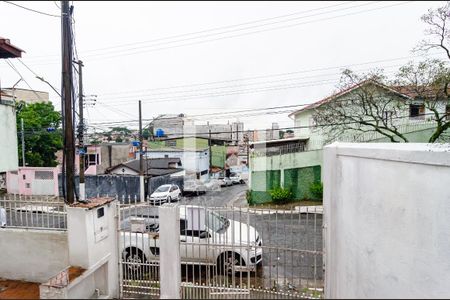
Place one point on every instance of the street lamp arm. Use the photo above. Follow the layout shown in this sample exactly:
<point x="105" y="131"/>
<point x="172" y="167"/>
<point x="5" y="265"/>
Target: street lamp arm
<point x="42" y="79"/>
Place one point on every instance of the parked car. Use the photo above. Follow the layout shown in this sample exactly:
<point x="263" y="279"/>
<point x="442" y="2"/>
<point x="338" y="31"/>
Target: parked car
<point x="230" y="245"/>
<point x="195" y="186"/>
<point x="225" y="181"/>
<point x="236" y="178"/>
<point x="165" y="194"/>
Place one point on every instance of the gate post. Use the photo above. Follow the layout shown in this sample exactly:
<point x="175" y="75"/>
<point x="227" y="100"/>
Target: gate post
<point x="169" y="246"/>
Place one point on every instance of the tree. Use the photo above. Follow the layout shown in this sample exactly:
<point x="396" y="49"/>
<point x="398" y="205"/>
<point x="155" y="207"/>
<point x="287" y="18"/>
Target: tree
<point x="438" y="35"/>
<point x="362" y="104"/>
<point x="119" y="139"/>
<point x="428" y="81"/>
<point x="43" y="136"/>
<point x="146" y="134"/>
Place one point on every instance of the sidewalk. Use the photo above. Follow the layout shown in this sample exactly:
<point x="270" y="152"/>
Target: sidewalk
<point x="240" y="203"/>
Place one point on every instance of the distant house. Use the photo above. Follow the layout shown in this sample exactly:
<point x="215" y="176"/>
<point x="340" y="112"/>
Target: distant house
<point x="194" y="161"/>
<point x="411" y="122"/>
<point x="152" y="167"/>
<point x="27" y="95"/>
<point x="99" y="158"/>
<point x="295" y="163"/>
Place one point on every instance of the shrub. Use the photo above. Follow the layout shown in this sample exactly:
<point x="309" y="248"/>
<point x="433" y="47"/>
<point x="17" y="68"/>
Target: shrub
<point x="249" y="197"/>
<point x="316" y="190"/>
<point x="280" y="195"/>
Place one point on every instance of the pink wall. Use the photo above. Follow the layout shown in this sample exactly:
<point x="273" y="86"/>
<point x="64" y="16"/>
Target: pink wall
<point x="24" y="182"/>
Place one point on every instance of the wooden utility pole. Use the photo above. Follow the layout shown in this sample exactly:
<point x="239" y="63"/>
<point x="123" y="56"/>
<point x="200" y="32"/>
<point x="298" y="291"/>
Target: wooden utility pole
<point x="141" y="156"/>
<point x="69" y="147"/>
<point x="81" y="129"/>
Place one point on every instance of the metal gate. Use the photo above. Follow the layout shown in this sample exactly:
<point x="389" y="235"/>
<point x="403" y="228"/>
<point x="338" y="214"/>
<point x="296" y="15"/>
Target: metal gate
<point x="138" y="251"/>
<point x="241" y="252"/>
<point x="226" y="252"/>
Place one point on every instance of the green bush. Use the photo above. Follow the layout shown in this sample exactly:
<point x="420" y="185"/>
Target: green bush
<point x="316" y="190"/>
<point x="280" y="195"/>
<point x="249" y="197"/>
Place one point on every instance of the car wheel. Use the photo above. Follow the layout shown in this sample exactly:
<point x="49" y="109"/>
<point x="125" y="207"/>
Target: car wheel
<point x="242" y="181"/>
<point x="135" y="264"/>
<point x="227" y="263"/>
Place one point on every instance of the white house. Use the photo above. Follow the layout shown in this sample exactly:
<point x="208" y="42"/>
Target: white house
<point x="414" y="116"/>
<point x="194" y="161"/>
<point x="152" y="167"/>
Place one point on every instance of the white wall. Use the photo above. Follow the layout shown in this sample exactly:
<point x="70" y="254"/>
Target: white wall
<point x="191" y="161"/>
<point x="387" y="222"/>
<point x="9" y="160"/>
<point x="32" y="255"/>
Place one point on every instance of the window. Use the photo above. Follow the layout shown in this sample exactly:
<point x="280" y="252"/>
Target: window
<point x="417" y="111"/>
<point x="92" y="159"/>
<point x="183" y="225"/>
<point x="204" y="172"/>
<point x="27" y="185"/>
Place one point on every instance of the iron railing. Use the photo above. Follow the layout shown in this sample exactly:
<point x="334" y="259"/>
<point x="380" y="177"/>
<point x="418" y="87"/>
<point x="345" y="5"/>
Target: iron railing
<point x="36" y="212"/>
<point x="249" y="253"/>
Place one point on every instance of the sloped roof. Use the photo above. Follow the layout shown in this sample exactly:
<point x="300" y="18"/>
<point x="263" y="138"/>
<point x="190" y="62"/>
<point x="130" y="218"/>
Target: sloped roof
<point x="153" y="166"/>
<point x="7" y="50"/>
<point x="346" y="91"/>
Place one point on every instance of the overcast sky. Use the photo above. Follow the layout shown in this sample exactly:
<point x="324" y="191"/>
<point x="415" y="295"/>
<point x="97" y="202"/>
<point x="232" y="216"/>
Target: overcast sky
<point x="283" y="53"/>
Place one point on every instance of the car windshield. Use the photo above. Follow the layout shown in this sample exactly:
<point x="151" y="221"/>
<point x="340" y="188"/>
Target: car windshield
<point x="216" y="222"/>
<point x="162" y="189"/>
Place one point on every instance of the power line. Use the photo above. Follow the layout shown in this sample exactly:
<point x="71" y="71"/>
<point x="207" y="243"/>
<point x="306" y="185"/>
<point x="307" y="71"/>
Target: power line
<point x="212" y="114"/>
<point x="122" y="52"/>
<point x="26" y="82"/>
<point x="32" y="10"/>
<point x="210" y="30"/>
<point x="291" y="127"/>
<point x="229" y="31"/>
<point x="271" y="75"/>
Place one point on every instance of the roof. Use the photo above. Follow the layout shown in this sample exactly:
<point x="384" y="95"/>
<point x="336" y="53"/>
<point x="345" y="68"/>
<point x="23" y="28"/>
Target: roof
<point x="346" y="91"/>
<point x="168" y="149"/>
<point x="153" y="166"/>
<point x="411" y="91"/>
<point x="280" y="141"/>
<point x="9" y="51"/>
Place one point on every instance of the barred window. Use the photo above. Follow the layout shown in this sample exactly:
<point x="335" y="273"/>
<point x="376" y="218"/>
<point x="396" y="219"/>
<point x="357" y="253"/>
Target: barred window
<point x="45" y="175"/>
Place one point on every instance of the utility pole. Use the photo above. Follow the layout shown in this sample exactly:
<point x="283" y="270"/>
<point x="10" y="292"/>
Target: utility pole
<point x="81" y="130"/>
<point x="69" y="147"/>
<point x="141" y="155"/>
<point x="210" y="153"/>
<point x="23" y="144"/>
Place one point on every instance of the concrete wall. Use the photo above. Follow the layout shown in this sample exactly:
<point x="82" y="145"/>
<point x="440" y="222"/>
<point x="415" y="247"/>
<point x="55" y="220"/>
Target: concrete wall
<point x="386" y="220"/>
<point x="33" y="181"/>
<point x="32" y="255"/>
<point x="28" y="96"/>
<point x="9" y="160"/>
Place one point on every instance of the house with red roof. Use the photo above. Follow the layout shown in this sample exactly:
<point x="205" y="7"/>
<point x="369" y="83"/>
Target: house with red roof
<point x="298" y="167"/>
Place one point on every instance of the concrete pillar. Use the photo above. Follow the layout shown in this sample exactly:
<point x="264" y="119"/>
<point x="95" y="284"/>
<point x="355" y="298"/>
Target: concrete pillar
<point x="282" y="178"/>
<point x="141" y="189"/>
<point x="329" y="188"/>
<point x="169" y="246"/>
<point x="93" y="243"/>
